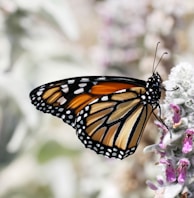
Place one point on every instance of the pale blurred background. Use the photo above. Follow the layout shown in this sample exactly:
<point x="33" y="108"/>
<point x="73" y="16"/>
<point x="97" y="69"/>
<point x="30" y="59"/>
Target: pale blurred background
<point x="47" y="40"/>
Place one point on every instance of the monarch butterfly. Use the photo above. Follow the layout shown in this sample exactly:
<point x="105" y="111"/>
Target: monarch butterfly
<point x="109" y="113"/>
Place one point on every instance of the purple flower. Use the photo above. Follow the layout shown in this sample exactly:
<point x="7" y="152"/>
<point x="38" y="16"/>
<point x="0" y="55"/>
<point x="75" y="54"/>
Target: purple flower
<point x="170" y="170"/>
<point x="151" y="185"/>
<point x="188" y="141"/>
<point x="176" y="117"/>
<point x="160" y="180"/>
<point x="176" y="151"/>
<point x="183" y="166"/>
<point x="164" y="132"/>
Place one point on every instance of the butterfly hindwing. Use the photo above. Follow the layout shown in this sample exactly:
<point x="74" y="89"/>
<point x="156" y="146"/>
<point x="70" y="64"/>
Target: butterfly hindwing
<point x="112" y="125"/>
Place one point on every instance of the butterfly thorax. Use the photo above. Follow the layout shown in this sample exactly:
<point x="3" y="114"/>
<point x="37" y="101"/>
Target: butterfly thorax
<point x="153" y="90"/>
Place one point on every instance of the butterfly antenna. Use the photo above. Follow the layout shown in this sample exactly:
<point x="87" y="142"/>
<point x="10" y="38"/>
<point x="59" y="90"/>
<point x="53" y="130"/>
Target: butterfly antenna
<point x="153" y="68"/>
<point x="160" y="60"/>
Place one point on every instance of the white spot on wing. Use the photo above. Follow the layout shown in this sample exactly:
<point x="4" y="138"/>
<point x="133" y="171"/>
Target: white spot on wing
<point x="85" y="80"/>
<point x="78" y="91"/>
<point x="87" y="108"/>
<point x="61" y="109"/>
<point x="81" y="112"/>
<point x="121" y="91"/>
<point x="79" y="118"/>
<point x="64" y="86"/>
<point x="101" y="78"/>
<point x="39" y="93"/>
<point x="143" y="97"/>
<point x="62" y="100"/>
<point x="115" y="149"/>
<point x="65" y="90"/>
<point x="70" y="117"/>
<point x="85" y="115"/>
<point x="68" y="112"/>
<point x="104" y="98"/>
<point x="71" y="81"/>
<point x="82" y="84"/>
<point x="120" y="156"/>
<point x="94" y="101"/>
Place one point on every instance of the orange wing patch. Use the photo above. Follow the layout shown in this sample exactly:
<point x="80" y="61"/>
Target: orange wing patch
<point x="52" y="95"/>
<point x="104" y="88"/>
<point x="80" y="101"/>
<point x="48" y="93"/>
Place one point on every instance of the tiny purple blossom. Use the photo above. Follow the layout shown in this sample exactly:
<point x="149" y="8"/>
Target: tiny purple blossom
<point x="160" y="180"/>
<point x="151" y="185"/>
<point x="176" y="117"/>
<point x="188" y="141"/>
<point x="170" y="170"/>
<point x="183" y="166"/>
<point x="164" y="132"/>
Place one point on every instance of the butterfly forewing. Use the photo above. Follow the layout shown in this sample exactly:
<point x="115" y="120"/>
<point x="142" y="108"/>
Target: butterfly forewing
<point x="108" y="113"/>
<point x="65" y="98"/>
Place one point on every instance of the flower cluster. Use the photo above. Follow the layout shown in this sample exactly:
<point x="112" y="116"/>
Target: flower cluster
<point x="175" y="147"/>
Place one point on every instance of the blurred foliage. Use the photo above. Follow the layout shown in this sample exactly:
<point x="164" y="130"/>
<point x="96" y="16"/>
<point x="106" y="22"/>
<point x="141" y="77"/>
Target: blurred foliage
<point x="53" y="149"/>
<point x="15" y="33"/>
<point x="10" y="116"/>
<point x="30" y="191"/>
<point x="42" y="41"/>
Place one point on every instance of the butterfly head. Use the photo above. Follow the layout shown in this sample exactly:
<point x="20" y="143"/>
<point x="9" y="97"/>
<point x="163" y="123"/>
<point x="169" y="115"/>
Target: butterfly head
<point x="153" y="89"/>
